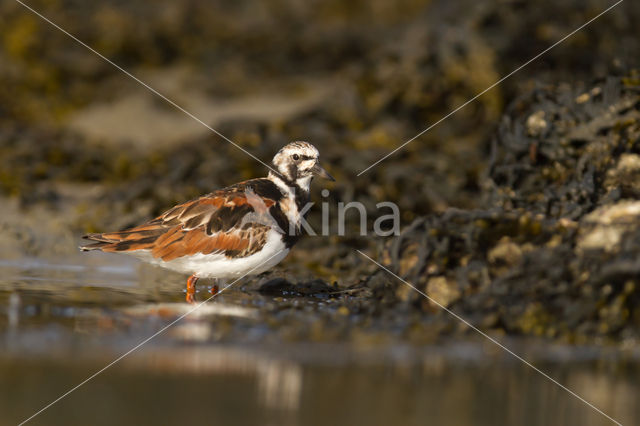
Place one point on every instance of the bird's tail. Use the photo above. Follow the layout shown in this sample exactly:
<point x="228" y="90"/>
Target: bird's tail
<point x="98" y="242"/>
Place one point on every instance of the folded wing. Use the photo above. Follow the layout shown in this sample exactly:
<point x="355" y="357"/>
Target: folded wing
<point x="210" y="224"/>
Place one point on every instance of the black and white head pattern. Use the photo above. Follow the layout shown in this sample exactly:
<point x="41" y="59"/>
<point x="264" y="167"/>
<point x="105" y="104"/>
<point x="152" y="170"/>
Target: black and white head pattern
<point x="295" y="162"/>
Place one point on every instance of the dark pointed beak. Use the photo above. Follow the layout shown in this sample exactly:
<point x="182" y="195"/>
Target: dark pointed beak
<point x="319" y="171"/>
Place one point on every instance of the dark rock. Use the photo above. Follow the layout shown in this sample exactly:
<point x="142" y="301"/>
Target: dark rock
<point x="554" y="252"/>
<point x="282" y="287"/>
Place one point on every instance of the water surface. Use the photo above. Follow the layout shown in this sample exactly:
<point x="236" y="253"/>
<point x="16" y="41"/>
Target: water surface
<point x="64" y="319"/>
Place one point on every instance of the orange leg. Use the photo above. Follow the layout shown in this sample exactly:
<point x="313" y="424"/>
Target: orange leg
<point x="214" y="289"/>
<point x="191" y="289"/>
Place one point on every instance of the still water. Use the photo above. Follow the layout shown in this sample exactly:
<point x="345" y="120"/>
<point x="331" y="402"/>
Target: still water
<point x="62" y="320"/>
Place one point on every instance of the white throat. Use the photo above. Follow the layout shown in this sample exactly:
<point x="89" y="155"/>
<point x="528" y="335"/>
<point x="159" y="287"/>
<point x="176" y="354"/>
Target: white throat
<point x="304" y="183"/>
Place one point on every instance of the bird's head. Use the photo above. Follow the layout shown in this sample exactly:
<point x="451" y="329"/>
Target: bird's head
<point x="297" y="162"/>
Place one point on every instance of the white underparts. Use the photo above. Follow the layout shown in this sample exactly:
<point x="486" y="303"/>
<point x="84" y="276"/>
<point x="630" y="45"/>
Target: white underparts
<point x="217" y="265"/>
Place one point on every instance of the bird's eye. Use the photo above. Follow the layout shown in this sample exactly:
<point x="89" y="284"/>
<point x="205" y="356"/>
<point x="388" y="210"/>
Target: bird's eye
<point x="295" y="157"/>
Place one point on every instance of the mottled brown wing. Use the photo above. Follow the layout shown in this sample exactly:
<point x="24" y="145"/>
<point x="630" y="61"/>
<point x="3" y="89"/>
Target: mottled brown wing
<point x="209" y="224"/>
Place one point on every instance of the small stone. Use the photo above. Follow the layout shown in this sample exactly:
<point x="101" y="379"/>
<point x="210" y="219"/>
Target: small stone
<point x="443" y="291"/>
<point x="625" y="177"/>
<point x="505" y="252"/>
<point x="583" y="98"/>
<point x="603" y="228"/>
<point x="536" y="123"/>
<point x="629" y="162"/>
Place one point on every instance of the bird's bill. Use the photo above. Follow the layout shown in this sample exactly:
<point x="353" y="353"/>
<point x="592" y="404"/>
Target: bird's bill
<point x="319" y="171"/>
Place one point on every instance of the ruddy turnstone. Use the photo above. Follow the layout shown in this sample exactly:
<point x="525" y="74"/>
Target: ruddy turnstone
<point x="245" y="228"/>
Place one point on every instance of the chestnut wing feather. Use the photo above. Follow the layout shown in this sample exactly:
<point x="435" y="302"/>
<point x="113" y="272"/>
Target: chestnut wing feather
<point x="209" y="224"/>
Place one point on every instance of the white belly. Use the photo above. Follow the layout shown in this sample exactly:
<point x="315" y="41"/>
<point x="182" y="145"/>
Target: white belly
<point x="220" y="266"/>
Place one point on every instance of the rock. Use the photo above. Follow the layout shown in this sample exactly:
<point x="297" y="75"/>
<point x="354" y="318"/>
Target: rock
<point x="625" y="177"/>
<point x="560" y="174"/>
<point x="604" y="227"/>
<point x="552" y="252"/>
<point x="505" y="253"/>
<point x="443" y="291"/>
<point x="536" y="124"/>
<point x="282" y="287"/>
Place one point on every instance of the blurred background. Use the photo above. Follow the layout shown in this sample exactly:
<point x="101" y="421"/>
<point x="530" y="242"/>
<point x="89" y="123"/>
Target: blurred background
<point x="501" y="210"/>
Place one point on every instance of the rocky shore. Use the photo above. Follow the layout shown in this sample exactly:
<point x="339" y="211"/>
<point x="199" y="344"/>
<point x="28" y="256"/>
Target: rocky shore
<point x="520" y="212"/>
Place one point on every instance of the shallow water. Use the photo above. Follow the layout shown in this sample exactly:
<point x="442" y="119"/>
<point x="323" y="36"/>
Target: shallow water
<point x="64" y="319"/>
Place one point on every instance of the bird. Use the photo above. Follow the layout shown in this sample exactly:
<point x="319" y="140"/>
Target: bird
<point x="244" y="229"/>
